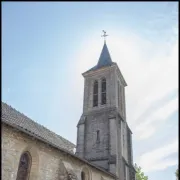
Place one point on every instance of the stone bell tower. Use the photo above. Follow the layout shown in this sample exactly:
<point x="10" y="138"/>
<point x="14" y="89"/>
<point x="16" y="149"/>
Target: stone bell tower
<point x="103" y="136"/>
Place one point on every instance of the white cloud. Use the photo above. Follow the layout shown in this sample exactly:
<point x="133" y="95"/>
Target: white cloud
<point x="161" y="77"/>
<point x="156" y="159"/>
<point x="167" y="110"/>
<point x="151" y="123"/>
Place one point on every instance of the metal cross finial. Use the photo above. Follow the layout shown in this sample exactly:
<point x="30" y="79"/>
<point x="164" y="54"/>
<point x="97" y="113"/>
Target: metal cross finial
<point x="104" y="35"/>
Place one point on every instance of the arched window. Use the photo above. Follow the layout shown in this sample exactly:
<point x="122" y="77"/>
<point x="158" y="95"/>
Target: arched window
<point x="24" y="167"/>
<point x="103" y="91"/>
<point x="95" y="94"/>
<point x="83" y="176"/>
<point x="120" y="97"/>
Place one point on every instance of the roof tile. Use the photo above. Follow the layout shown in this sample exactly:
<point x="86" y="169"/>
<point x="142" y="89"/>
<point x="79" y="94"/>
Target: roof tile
<point x="14" y="118"/>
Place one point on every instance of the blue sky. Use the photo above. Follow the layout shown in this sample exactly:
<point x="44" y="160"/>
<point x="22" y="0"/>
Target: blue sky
<point x="46" y="46"/>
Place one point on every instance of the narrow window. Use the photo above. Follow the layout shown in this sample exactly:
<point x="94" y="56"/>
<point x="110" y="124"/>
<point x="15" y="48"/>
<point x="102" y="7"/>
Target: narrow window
<point x="125" y="173"/>
<point x="82" y="175"/>
<point x="95" y="94"/>
<point x="120" y="97"/>
<point x="24" y="167"/>
<point x="98" y="137"/>
<point x="103" y="91"/>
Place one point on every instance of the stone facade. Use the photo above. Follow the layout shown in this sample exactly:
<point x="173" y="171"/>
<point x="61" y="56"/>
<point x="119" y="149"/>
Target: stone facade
<point x="48" y="163"/>
<point x="113" y="150"/>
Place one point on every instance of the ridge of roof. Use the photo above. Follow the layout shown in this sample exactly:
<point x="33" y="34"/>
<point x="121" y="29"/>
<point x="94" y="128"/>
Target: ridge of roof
<point x="11" y="116"/>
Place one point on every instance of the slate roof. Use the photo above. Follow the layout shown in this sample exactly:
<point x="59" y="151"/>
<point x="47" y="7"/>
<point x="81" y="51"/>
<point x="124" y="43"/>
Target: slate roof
<point x="18" y="120"/>
<point x="104" y="59"/>
<point x="82" y="120"/>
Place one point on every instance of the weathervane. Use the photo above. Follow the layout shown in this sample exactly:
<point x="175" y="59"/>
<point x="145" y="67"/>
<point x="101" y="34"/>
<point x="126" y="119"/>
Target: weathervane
<point x="104" y="35"/>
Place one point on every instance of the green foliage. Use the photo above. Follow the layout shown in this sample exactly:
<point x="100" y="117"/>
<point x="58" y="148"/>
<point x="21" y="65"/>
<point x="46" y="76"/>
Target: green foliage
<point x="139" y="174"/>
<point x="177" y="173"/>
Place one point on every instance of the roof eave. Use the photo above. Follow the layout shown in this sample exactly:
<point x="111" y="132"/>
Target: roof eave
<point x="95" y="70"/>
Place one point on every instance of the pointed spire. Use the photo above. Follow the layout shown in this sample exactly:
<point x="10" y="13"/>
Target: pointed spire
<point x="105" y="58"/>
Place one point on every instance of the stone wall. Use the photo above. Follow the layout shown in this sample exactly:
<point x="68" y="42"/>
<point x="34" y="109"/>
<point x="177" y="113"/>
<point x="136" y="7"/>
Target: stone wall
<point x="48" y="163"/>
<point x="94" y="123"/>
<point x="109" y="119"/>
<point x="109" y="75"/>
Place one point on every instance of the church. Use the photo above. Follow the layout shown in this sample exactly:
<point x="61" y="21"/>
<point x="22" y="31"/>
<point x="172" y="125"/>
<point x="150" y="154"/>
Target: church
<point x="104" y="140"/>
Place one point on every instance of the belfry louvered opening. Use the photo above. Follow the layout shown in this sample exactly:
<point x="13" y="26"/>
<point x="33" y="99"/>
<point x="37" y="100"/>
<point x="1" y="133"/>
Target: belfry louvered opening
<point x="95" y="94"/>
<point x="103" y="91"/>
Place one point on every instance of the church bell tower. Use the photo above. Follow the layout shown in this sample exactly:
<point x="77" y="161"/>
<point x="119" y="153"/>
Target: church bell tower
<point x="103" y="135"/>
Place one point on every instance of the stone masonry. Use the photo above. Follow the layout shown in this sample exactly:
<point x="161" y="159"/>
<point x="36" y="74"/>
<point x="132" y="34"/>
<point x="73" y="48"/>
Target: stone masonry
<point x="114" y="150"/>
<point x="48" y="163"/>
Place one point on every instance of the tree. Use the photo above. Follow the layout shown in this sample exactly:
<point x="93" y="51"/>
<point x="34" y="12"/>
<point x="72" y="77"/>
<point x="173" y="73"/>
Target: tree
<point x="177" y="174"/>
<point x="139" y="174"/>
